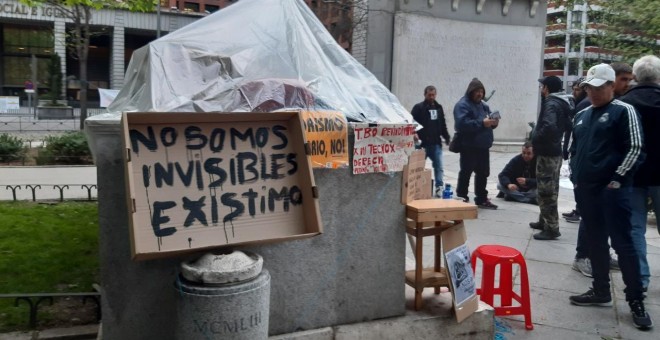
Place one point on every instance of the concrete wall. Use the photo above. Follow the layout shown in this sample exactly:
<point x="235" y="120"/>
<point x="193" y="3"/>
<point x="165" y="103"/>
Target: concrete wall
<point x="353" y="272"/>
<point x="411" y="44"/>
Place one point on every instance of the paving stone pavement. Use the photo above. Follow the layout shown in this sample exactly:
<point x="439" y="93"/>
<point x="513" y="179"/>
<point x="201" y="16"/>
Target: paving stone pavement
<point x="550" y="275"/>
<point x="549" y="263"/>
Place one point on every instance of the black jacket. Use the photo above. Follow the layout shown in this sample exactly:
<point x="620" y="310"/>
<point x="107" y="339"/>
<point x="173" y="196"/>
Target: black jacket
<point x="553" y="121"/>
<point x="645" y="97"/>
<point x="517" y="167"/>
<point x="607" y="145"/>
<point x="432" y="129"/>
<point x="580" y="104"/>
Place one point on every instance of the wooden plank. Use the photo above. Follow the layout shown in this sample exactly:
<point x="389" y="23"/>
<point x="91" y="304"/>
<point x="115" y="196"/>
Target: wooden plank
<point x="440" y="205"/>
<point x="441" y="215"/>
<point x="429" y="278"/>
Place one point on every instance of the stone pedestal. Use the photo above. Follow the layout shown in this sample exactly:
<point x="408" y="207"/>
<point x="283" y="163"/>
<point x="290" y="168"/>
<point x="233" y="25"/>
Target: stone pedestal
<point x="351" y="273"/>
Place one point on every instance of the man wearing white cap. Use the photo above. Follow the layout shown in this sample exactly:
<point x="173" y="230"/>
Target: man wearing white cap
<point x="606" y="150"/>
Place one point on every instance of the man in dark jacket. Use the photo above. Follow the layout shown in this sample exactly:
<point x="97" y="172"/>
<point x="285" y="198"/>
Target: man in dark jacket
<point x="553" y="121"/>
<point x="606" y="149"/>
<point x="473" y="122"/>
<point x="431" y="117"/>
<point x="645" y="97"/>
<point x="517" y="181"/>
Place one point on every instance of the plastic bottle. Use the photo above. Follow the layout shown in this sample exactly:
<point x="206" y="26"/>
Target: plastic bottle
<point x="447" y="193"/>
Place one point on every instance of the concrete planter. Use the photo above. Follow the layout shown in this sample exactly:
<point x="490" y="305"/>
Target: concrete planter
<point x="54" y="112"/>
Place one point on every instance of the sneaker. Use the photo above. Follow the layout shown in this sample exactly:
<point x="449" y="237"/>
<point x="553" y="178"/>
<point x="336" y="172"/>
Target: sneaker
<point x="465" y="199"/>
<point x="487" y="205"/>
<point x="590" y="298"/>
<point x="438" y="192"/>
<point x="536" y="225"/>
<point x="547" y="235"/>
<point x="614" y="262"/>
<point x="583" y="266"/>
<point x="572" y="219"/>
<point x="500" y="195"/>
<point x="641" y="318"/>
<point x="571" y="214"/>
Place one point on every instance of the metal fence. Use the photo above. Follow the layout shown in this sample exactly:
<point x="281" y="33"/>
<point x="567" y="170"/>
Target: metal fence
<point x="24" y="120"/>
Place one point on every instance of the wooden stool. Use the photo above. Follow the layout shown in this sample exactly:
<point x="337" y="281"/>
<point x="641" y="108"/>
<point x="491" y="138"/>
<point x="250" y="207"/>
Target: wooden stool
<point x="430" y="217"/>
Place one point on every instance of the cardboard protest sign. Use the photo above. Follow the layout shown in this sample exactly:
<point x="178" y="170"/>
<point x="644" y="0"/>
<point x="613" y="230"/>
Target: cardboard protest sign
<point x="326" y="133"/>
<point x="203" y="180"/>
<point x="381" y="147"/>
<point x="416" y="180"/>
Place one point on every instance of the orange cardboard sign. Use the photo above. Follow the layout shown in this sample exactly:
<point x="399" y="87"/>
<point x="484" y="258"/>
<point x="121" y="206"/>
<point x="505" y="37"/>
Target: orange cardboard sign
<point x="326" y="133"/>
<point x="204" y="180"/>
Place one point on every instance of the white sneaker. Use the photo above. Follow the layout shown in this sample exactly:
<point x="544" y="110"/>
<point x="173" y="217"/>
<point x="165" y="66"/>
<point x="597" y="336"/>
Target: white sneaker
<point x="438" y="192"/>
<point x="583" y="266"/>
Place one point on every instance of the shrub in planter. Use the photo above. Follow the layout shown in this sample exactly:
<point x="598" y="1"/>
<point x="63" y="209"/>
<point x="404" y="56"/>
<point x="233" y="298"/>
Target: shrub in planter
<point x="69" y="148"/>
<point x="11" y="148"/>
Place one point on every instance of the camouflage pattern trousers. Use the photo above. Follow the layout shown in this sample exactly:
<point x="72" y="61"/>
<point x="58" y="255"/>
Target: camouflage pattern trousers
<point x="547" y="181"/>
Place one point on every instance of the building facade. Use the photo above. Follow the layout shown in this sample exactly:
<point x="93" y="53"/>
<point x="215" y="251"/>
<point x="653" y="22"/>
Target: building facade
<point x="571" y="46"/>
<point x="29" y="35"/>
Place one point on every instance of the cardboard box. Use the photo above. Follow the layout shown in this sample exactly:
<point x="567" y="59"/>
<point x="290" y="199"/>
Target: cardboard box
<point x="205" y="180"/>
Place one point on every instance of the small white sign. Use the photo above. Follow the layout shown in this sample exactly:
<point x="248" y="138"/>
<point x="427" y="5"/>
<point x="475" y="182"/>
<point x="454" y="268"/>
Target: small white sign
<point x="460" y="272"/>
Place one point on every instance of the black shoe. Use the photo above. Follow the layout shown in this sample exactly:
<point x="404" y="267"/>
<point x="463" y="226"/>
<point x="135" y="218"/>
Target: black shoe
<point x="500" y="195"/>
<point x="465" y="199"/>
<point x="590" y="298"/>
<point x="641" y="318"/>
<point x="536" y="225"/>
<point x="571" y="214"/>
<point x="487" y="205"/>
<point x="572" y="219"/>
<point x="547" y="235"/>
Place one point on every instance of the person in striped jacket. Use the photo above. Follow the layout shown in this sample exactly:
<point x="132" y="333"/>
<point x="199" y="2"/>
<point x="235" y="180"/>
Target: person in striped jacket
<point x="606" y="150"/>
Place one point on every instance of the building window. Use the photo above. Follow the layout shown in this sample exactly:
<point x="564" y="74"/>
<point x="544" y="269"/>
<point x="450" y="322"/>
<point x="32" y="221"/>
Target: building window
<point x="576" y="42"/>
<point x="20" y="43"/>
<point x="573" y="67"/>
<point x="28" y="40"/>
<point x="191" y="7"/>
<point x="211" y="8"/>
<point x="18" y="69"/>
<point x="576" y="20"/>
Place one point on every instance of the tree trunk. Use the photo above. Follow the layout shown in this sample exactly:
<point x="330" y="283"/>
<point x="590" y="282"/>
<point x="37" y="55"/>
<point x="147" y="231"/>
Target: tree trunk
<point x="83" y="52"/>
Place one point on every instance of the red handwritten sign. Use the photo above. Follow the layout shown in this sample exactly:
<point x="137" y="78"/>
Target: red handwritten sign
<point x="382" y="147"/>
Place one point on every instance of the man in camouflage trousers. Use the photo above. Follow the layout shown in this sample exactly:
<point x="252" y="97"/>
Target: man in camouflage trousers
<point x="546" y="140"/>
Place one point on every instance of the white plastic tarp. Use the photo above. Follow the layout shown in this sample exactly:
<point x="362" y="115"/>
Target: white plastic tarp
<point x="255" y="55"/>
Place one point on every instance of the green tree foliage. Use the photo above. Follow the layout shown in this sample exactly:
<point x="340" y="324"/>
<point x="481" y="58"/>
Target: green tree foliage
<point x="630" y="28"/>
<point x="80" y="14"/>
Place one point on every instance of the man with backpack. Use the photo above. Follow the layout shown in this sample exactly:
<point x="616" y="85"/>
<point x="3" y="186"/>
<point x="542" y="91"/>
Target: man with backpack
<point x="553" y="121"/>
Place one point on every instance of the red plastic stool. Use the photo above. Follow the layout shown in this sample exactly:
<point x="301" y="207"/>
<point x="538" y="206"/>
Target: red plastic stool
<point x="505" y="257"/>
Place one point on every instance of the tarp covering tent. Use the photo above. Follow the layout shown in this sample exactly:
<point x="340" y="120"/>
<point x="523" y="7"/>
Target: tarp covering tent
<point x="255" y="55"/>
